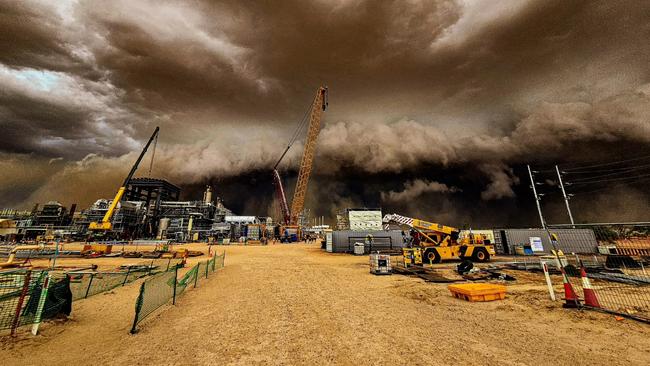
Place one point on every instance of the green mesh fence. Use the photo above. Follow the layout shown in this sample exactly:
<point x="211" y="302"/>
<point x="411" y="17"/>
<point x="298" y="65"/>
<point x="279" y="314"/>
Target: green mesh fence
<point x="21" y="289"/>
<point x="161" y="288"/>
<point x="86" y="284"/>
<point x="187" y="280"/>
<point x="158" y="289"/>
<point x="20" y="292"/>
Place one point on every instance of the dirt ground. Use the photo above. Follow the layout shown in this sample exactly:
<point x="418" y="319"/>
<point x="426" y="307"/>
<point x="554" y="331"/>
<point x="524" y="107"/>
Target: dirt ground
<point x="295" y="304"/>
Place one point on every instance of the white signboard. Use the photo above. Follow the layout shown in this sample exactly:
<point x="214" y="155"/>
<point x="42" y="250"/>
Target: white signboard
<point x="328" y="241"/>
<point x="365" y="220"/>
<point x="536" y="244"/>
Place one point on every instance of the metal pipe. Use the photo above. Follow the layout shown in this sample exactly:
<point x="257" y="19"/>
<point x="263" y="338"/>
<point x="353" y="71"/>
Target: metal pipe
<point x="12" y="254"/>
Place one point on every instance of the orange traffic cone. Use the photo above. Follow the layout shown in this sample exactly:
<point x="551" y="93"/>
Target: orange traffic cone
<point x="571" y="299"/>
<point x="590" y="294"/>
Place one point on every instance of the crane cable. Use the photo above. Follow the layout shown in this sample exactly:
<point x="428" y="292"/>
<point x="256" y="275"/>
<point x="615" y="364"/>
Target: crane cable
<point x="296" y="133"/>
<point x="153" y="154"/>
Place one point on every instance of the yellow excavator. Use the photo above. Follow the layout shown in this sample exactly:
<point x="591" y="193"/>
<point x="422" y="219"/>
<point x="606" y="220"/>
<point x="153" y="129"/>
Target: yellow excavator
<point x="105" y="225"/>
<point x="433" y="242"/>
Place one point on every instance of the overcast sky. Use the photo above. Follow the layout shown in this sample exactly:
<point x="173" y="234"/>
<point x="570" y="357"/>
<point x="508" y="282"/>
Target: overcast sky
<point x="436" y="101"/>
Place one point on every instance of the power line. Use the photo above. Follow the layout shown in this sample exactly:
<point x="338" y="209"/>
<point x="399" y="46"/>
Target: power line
<point x="611" y="179"/>
<point x="621" y="169"/>
<point x="611" y="186"/>
<point x="608" y="175"/>
<point x="607" y="164"/>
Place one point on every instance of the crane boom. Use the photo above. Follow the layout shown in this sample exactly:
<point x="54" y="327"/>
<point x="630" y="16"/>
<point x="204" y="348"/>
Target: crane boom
<point x="318" y="106"/>
<point x="418" y="224"/>
<point x="105" y="224"/>
<point x="282" y="199"/>
<point x="425" y="228"/>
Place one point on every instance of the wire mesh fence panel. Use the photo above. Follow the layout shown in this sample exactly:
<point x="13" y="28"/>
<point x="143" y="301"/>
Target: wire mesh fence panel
<point x="87" y="284"/>
<point x="155" y="292"/>
<point x="159" y="289"/>
<point x="220" y="260"/>
<point x="619" y="284"/>
<point x="186" y="280"/>
<point x="49" y="297"/>
<point x="160" y="264"/>
<point x="201" y="271"/>
<point x="211" y="263"/>
<point x="616" y="276"/>
<point x="33" y="294"/>
<point x="20" y="292"/>
<point x="134" y="275"/>
<point x="12" y="287"/>
<point x="102" y="282"/>
<point x="79" y="283"/>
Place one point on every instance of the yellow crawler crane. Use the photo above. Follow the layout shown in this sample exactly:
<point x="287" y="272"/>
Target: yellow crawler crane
<point x="433" y="242"/>
<point x="105" y="225"/>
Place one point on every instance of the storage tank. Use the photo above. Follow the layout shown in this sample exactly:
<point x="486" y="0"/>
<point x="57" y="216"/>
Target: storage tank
<point x="163" y="224"/>
<point x="207" y="196"/>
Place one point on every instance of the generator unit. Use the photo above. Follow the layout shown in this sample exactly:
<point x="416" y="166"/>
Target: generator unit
<point x="380" y="264"/>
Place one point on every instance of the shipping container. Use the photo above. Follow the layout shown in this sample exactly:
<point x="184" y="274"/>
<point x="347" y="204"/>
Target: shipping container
<point x="569" y="240"/>
<point x="343" y="241"/>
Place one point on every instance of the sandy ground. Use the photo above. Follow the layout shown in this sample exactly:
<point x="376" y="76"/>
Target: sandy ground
<point x="294" y="304"/>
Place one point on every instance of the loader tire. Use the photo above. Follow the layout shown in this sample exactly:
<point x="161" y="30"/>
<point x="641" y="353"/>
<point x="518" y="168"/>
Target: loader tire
<point x="431" y="256"/>
<point x="480" y="255"/>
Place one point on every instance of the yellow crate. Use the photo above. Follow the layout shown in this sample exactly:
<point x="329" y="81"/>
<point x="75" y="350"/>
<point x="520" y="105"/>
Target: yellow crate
<point x="475" y="292"/>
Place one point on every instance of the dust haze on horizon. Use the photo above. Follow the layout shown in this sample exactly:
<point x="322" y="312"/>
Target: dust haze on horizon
<point x="435" y="106"/>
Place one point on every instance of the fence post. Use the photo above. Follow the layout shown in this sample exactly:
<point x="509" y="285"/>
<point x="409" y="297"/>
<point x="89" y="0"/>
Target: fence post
<point x="207" y="268"/>
<point x="21" y="299"/>
<point x="127" y="276"/>
<point x="92" y="275"/>
<point x="175" y="282"/>
<point x="196" y="274"/>
<point x="41" y="304"/>
<point x="138" y="307"/>
<point x="548" y="280"/>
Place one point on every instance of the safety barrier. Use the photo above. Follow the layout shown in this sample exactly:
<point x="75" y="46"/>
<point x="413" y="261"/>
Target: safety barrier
<point x="614" y="277"/>
<point x="162" y="288"/>
<point x="27" y="296"/>
<point x="618" y="284"/>
<point x="86" y="284"/>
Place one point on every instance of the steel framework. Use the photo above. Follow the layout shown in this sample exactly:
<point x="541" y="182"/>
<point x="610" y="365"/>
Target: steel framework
<point x="317" y="108"/>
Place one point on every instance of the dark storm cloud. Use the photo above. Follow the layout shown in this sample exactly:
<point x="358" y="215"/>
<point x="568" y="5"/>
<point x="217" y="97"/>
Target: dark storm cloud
<point x="29" y="37"/>
<point x="484" y="85"/>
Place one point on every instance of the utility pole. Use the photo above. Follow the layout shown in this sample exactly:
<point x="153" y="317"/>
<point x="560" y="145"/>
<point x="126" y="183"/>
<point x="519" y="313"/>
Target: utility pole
<point x="566" y="198"/>
<point x="552" y="238"/>
<point x="537" y="199"/>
